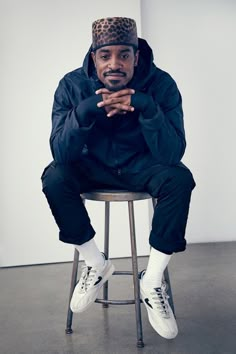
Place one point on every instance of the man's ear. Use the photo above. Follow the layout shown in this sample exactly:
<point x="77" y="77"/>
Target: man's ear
<point x="94" y="58"/>
<point x="136" y="58"/>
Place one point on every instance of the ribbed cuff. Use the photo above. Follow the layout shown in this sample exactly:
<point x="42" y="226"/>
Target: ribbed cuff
<point x="87" y="110"/>
<point x="145" y="104"/>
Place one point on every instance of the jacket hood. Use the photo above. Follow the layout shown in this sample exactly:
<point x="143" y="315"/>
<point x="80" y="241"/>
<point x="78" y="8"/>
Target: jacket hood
<point x="143" y="73"/>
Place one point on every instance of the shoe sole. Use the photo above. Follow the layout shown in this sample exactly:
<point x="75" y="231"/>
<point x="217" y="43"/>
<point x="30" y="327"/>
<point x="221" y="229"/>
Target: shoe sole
<point x="106" y="276"/>
<point x="153" y="324"/>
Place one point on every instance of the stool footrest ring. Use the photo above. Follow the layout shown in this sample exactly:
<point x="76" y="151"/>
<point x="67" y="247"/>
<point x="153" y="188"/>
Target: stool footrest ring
<point x="122" y="272"/>
<point x="115" y="302"/>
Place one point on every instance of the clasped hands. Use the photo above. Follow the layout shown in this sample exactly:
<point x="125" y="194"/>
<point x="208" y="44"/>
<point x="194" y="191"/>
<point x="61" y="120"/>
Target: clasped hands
<point x="118" y="102"/>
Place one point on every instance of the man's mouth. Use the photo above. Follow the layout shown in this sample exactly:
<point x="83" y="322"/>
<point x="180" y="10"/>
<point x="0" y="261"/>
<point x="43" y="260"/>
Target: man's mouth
<point x="114" y="74"/>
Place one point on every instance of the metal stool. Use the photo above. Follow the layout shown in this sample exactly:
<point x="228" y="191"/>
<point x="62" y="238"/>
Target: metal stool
<point x="108" y="196"/>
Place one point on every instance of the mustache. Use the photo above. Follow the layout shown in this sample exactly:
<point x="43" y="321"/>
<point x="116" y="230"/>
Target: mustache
<point x="110" y="72"/>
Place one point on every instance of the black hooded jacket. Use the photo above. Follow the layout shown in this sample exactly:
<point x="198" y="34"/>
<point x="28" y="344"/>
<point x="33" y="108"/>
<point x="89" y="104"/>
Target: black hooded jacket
<point x="128" y="143"/>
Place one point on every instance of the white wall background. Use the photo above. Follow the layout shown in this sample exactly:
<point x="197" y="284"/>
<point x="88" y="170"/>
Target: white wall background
<point x="41" y="40"/>
<point x="195" y="41"/>
<point x="44" y="39"/>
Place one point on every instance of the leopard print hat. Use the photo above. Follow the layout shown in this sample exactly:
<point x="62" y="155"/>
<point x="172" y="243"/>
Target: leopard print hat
<point x="113" y="31"/>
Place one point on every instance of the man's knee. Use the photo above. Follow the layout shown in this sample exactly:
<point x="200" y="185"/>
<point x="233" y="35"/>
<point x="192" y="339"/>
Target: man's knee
<point x="179" y="181"/>
<point x="51" y="175"/>
<point x="184" y="178"/>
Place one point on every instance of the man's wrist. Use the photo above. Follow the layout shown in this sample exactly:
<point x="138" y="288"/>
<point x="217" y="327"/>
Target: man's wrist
<point x="144" y="103"/>
<point x="87" y="110"/>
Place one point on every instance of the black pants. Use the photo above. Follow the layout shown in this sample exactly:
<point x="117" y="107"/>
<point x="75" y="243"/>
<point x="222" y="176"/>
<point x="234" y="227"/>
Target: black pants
<point x="172" y="185"/>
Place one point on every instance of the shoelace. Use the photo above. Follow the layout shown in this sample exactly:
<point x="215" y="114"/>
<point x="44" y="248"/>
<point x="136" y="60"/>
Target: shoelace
<point x="160" y="298"/>
<point x="87" y="277"/>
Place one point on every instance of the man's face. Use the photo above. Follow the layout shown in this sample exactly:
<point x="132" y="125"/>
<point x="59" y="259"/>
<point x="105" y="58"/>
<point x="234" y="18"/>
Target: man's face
<point x="115" y="65"/>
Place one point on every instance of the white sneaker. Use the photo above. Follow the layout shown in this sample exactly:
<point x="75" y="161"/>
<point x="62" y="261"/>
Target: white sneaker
<point x="160" y="314"/>
<point x="87" y="288"/>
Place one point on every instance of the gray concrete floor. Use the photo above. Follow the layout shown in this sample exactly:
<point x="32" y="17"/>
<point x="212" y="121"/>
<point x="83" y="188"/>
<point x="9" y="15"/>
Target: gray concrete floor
<point x="33" y="306"/>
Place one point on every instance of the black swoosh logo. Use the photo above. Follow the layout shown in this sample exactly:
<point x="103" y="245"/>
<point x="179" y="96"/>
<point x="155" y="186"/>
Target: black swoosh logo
<point x="98" y="281"/>
<point x="147" y="302"/>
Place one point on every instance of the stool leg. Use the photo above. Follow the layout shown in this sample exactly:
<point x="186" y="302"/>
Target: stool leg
<point x="68" y="329"/>
<point x="140" y="343"/>
<point x="169" y="291"/>
<point x="106" y="247"/>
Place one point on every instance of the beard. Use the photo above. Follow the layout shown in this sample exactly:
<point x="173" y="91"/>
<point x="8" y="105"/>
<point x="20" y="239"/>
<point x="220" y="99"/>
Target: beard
<point x="114" y="86"/>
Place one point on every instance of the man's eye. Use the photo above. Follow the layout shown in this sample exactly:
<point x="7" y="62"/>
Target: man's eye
<point x="125" y="56"/>
<point x="104" y="57"/>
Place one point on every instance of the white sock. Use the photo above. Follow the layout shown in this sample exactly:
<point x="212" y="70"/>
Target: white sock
<point x="91" y="254"/>
<point x="157" y="263"/>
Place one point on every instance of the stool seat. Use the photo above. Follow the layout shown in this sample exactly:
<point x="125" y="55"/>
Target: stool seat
<point x="111" y="195"/>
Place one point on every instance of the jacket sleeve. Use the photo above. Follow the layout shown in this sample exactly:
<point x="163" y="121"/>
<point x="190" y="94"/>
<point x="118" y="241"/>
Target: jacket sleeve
<point x="163" y="127"/>
<point x="71" y="125"/>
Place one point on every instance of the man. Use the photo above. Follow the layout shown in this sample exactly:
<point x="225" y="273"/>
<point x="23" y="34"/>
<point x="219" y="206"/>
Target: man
<point x="117" y="122"/>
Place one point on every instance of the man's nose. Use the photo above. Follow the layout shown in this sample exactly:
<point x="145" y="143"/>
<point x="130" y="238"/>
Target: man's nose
<point x="114" y="63"/>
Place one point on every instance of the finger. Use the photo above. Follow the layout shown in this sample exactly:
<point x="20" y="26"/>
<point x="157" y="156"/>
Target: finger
<point x="114" y="101"/>
<point x="118" y="105"/>
<point x="107" y="102"/>
<point x="113" y="112"/>
<point x="120" y="109"/>
<point x="103" y="90"/>
<point x="121" y="93"/>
